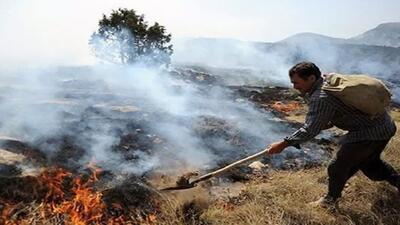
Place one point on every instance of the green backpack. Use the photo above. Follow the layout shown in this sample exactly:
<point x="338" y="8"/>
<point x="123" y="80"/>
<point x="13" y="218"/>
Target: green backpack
<point x="363" y="92"/>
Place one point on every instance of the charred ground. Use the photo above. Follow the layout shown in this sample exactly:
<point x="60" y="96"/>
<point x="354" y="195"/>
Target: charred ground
<point x="41" y="185"/>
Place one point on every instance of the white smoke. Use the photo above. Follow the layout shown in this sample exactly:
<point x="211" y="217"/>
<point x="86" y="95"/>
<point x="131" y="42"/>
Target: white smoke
<point x="25" y="104"/>
<point x="267" y="63"/>
<point x="37" y="103"/>
<point x="177" y="105"/>
<point x="250" y="64"/>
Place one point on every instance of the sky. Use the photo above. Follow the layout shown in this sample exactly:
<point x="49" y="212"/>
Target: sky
<point x="57" y="32"/>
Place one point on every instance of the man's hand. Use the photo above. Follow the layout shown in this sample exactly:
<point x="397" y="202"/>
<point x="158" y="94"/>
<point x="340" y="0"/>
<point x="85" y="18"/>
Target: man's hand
<point x="277" y="147"/>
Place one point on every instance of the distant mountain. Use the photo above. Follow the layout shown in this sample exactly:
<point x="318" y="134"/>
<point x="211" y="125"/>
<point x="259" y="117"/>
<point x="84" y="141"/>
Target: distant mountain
<point x="376" y="51"/>
<point x="312" y="37"/>
<point x="385" y="34"/>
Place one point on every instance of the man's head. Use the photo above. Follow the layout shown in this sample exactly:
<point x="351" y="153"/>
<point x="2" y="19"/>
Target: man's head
<point x="303" y="76"/>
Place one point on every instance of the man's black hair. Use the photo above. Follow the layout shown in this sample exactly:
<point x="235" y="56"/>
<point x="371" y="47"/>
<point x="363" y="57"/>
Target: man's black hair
<point x="304" y="70"/>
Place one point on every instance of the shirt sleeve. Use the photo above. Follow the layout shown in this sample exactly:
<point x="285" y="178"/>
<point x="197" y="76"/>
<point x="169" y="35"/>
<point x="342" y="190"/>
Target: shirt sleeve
<point x="318" y="117"/>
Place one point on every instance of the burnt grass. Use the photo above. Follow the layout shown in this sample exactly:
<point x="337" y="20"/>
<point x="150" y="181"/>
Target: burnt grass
<point x="68" y="148"/>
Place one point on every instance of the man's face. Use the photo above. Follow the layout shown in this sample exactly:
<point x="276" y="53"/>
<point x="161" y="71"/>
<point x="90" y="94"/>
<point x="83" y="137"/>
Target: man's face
<point x="302" y="85"/>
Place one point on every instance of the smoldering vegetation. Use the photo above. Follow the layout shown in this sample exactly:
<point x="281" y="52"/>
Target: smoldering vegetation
<point x="134" y="119"/>
<point x="132" y="123"/>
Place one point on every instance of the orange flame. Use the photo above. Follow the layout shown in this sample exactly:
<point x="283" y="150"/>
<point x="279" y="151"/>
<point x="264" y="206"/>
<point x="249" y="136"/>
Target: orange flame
<point x="81" y="205"/>
<point x="285" y="107"/>
<point x="86" y="207"/>
<point x="54" y="181"/>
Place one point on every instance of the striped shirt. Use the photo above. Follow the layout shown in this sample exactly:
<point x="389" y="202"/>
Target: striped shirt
<point x="326" y="110"/>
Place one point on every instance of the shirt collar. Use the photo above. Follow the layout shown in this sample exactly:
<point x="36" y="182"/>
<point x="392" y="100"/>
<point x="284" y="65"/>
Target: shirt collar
<point x="316" y="85"/>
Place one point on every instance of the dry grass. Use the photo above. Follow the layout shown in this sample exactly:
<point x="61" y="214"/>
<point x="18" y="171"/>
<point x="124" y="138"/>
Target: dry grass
<point x="279" y="198"/>
<point x="282" y="200"/>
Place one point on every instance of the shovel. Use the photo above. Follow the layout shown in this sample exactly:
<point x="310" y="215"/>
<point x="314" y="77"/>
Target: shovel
<point x="185" y="183"/>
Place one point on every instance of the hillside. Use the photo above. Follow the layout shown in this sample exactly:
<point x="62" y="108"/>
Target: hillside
<point x="313" y="37"/>
<point x="385" y="34"/>
<point x="369" y="52"/>
<point x="270" y="61"/>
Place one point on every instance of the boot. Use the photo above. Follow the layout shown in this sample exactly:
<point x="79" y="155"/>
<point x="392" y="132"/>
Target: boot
<point x="326" y="202"/>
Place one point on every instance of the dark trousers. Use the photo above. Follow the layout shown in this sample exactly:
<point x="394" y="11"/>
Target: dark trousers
<point x="364" y="156"/>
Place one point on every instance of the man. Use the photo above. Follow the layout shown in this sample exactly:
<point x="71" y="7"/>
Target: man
<point x="360" y="148"/>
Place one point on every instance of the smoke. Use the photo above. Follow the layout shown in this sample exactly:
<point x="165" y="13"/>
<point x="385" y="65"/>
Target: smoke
<point x="92" y="108"/>
<point x="263" y="64"/>
<point x="176" y="111"/>
<point x="248" y="62"/>
<point x="139" y="118"/>
<point x="25" y="105"/>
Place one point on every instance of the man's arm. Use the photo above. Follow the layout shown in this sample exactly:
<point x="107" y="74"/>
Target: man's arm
<point x="318" y="117"/>
<point x="277" y="147"/>
<point x="328" y="126"/>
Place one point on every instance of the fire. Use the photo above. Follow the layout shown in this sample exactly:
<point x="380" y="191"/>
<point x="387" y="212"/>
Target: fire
<point x="7" y="212"/>
<point x="72" y="199"/>
<point x="285" y="107"/>
<point x="86" y="207"/>
<point x="54" y="181"/>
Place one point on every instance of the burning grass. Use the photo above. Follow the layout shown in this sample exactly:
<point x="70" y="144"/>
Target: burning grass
<point x="286" y="107"/>
<point x="56" y="196"/>
<point x="59" y="196"/>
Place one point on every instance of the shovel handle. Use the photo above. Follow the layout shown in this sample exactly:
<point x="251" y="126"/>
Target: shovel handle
<point x="230" y="166"/>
